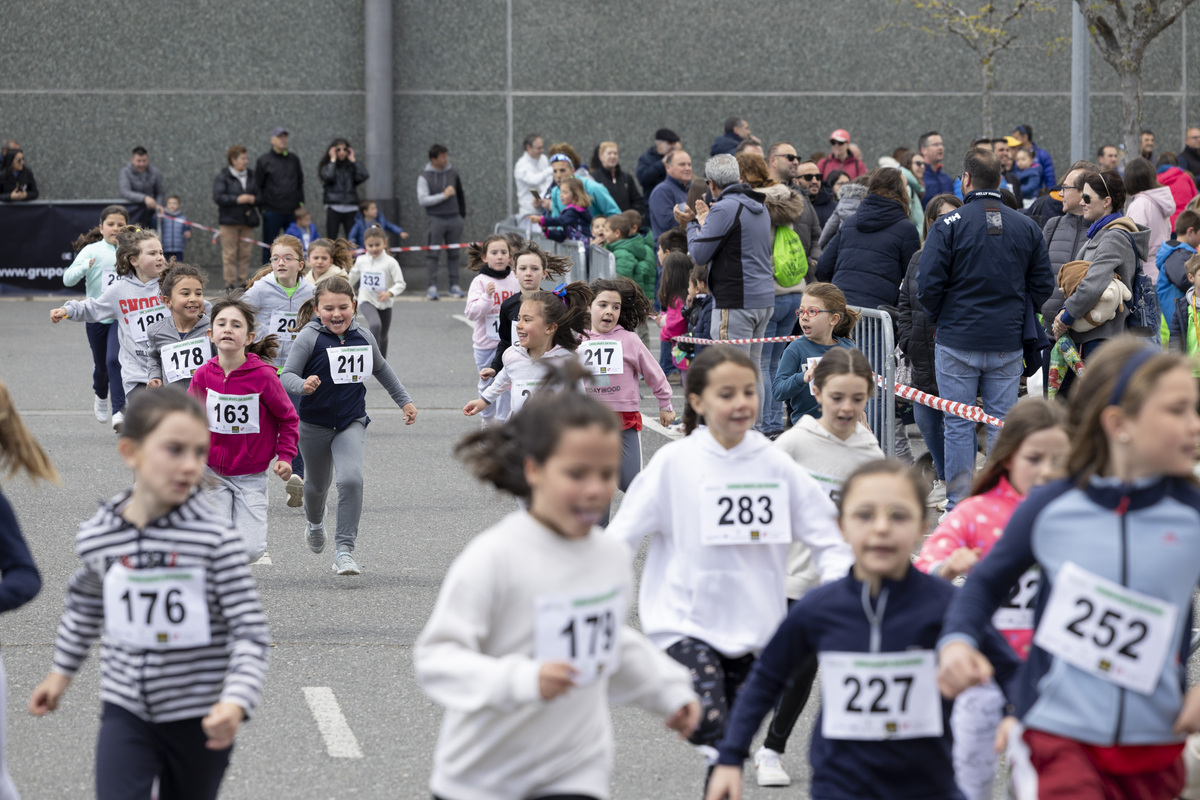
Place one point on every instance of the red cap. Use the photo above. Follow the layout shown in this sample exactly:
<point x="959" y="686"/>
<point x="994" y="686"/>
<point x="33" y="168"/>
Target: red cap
<point x="841" y="135"/>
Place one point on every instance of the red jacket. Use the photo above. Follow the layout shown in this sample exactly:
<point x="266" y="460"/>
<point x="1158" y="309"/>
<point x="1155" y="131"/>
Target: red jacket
<point x="1182" y="187"/>
<point x="853" y="167"/>
<point x="247" y="454"/>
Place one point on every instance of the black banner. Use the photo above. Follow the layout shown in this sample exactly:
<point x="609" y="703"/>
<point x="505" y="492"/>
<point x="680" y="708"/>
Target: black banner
<point x="35" y="242"/>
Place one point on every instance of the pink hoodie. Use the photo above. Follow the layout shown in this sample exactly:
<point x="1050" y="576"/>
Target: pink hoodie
<point x="247" y="454"/>
<point x="620" y="391"/>
<point x="480" y="306"/>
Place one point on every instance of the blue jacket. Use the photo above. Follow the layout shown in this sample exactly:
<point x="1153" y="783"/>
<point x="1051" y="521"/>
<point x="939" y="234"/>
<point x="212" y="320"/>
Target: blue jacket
<point x="939" y="182"/>
<point x="651" y="171"/>
<point x="725" y="143"/>
<point x="870" y="253"/>
<point x="1172" y="280"/>
<point x="661" y="205"/>
<point x="361" y="225"/>
<point x="974" y="285"/>
<point x="1031" y="179"/>
<point x="573" y="223"/>
<point x="1043" y="158"/>
<point x="174" y="226"/>
<point x="1145" y="537"/>
<point x="736" y="243"/>
<point x="699" y="321"/>
<point x="788" y="383"/>
<point x="831" y="619"/>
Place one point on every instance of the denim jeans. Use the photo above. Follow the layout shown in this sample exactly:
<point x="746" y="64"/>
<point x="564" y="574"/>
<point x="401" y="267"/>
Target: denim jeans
<point x="780" y="324"/>
<point x="962" y="376"/>
<point x="932" y="424"/>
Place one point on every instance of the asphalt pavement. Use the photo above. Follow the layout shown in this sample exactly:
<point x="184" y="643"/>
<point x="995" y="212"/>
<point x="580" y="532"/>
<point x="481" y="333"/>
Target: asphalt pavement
<point x="342" y="715"/>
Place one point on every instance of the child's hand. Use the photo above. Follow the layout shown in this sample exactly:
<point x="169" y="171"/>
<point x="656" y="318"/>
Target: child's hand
<point x="960" y="562"/>
<point x="491" y="289"/>
<point x="221" y="725"/>
<point x="1002" y="733"/>
<point x="384" y="296"/>
<point x="283" y="469"/>
<point x="310" y="384"/>
<point x="534" y="218"/>
<point x="1188" y="720"/>
<point x="685" y="719"/>
<point x="555" y="678"/>
<point x="410" y="413"/>
<point x="153" y="383"/>
<point x="57" y="315"/>
<point x="665" y="417"/>
<point x="474" y="407"/>
<point x="403" y="234"/>
<point x="960" y="667"/>
<point x="486" y="374"/>
<point x="46" y="696"/>
<point x="725" y="781"/>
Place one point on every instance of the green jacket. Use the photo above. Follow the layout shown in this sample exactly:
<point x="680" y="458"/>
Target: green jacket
<point x="635" y="259"/>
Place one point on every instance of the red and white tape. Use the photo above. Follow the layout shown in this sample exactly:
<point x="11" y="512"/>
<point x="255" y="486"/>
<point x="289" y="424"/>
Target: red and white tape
<point x="694" y="340"/>
<point x="424" y="248"/>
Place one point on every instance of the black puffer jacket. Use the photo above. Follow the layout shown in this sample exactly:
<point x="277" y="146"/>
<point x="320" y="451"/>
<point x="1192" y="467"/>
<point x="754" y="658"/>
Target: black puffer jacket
<point x="622" y="187"/>
<point x="867" y="257"/>
<point x="340" y="179"/>
<point x="916" y="332"/>
<point x="226" y="189"/>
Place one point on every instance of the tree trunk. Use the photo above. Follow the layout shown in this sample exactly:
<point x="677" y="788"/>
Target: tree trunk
<point x="989" y="83"/>
<point x="1131" y="106"/>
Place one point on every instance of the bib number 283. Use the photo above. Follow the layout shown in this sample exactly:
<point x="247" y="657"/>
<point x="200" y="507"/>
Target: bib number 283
<point x="746" y="513"/>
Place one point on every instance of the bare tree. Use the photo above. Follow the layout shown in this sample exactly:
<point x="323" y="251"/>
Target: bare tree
<point x="1121" y="30"/>
<point x="985" y="29"/>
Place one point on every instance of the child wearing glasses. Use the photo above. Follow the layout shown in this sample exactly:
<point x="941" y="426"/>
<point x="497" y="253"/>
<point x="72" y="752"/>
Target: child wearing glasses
<point x="379" y="280"/>
<point x="826" y="323"/>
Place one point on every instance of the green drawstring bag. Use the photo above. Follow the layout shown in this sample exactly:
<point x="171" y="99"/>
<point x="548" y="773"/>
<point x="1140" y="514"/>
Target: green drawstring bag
<point x="787" y="253"/>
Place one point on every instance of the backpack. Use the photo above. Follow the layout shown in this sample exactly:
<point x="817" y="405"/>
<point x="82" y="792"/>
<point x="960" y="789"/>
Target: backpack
<point x="1143" y="308"/>
<point x="787" y="254"/>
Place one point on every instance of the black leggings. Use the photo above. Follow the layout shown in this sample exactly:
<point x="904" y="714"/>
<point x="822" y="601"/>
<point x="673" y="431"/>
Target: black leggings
<point x="791" y="703"/>
<point x="131" y="753"/>
<point x="717" y="679"/>
<point x="338" y="221"/>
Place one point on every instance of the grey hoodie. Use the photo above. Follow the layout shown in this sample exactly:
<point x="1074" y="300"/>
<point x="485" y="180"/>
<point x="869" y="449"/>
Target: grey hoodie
<point x="136" y="307"/>
<point x="274" y="311"/>
<point x="163" y="333"/>
<point x="736" y="242"/>
<point x="850" y="196"/>
<point x="1109" y="251"/>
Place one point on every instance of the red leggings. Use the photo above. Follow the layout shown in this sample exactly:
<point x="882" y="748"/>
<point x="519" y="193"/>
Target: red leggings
<point x="1068" y="769"/>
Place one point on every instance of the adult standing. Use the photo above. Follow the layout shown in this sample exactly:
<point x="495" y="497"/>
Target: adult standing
<point x="280" y="180"/>
<point x="563" y="165"/>
<point x="736" y="129"/>
<point x="1150" y="205"/>
<point x="816" y="192"/>
<point x="1002" y="146"/>
<point x="933" y="150"/>
<point x="606" y="170"/>
<point x="236" y="194"/>
<point x="671" y="192"/>
<point x="1024" y="134"/>
<point x="652" y="164"/>
<point x="785" y="165"/>
<point x="141" y="186"/>
<point x="532" y="174"/>
<point x="1065" y="235"/>
<point x="439" y="191"/>
<point x="1146" y="149"/>
<point x="1108" y="157"/>
<point x="340" y="174"/>
<point x="17" y="183"/>
<point x="983" y="269"/>
<point x="1189" y="156"/>
<point x="840" y="157"/>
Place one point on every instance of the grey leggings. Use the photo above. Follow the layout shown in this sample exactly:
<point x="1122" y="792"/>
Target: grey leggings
<point x="631" y="464"/>
<point x="326" y="450"/>
<point x="379" y="320"/>
<point x="7" y="790"/>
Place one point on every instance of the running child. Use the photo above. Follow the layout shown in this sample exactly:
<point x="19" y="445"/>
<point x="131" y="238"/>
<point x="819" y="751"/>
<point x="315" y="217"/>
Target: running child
<point x="251" y="420"/>
<point x="829" y="448"/>
<point x="185" y="640"/>
<point x="883" y="727"/>
<point x="330" y="363"/>
<point x="379" y="280"/>
<point x="526" y="705"/>
<point x="616" y="359"/>
<point x="825" y="323"/>
<point x="721" y="506"/>
<point x="328" y="258"/>
<point x="494" y="284"/>
<point x="178" y="345"/>
<point x="1102" y="698"/>
<point x="548" y="329"/>
<point x="533" y="265"/>
<point x="96" y="259"/>
<point x="134" y="297"/>
<point x="1030" y="450"/>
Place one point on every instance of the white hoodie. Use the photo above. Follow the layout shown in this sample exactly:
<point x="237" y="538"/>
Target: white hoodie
<point x="522" y="375"/>
<point x="730" y="596"/>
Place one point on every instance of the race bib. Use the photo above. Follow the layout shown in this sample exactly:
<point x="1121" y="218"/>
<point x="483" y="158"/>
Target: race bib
<point x="521" y="391"/>
<point x="602" y="356"/>
<point x="283" y="325"/>
<point x="512" y="335"/>
<point x="161" y="608"/>
<point x="108" y="276"/>
<point x="232" y="413"/>
<point x="876" y="696"/>
<point x="1106" y="629"/>
<point x="580" y="629"/>
<point x="755" y="512"/>
<point x="492" y="327"/>
<point x="1016" y="612"/>
<point x="372" y="281"/>
<point x="139" y="322"/>
<point x="350" y="364"/>
<point x="180" y="360"/>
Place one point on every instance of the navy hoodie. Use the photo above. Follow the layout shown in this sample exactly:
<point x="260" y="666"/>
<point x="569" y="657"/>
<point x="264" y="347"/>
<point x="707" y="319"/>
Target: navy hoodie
<point x="869" y="255"/>
<point x="832" y="619"/>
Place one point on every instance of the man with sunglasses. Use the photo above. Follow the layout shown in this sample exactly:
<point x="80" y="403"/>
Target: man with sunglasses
<point x="1065" y="236"/>
<point x="841" y="157"/>
<point x="785" y="166"/>
<point x="815" y="191"/>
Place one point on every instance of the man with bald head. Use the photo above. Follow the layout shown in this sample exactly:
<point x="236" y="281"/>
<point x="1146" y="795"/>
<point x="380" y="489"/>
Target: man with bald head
<point x="670" y="193"/>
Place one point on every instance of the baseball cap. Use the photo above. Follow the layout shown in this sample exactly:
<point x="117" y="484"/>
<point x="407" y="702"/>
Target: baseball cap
<point x="1012" y="141"/>
<point x="667" y="135"/>
<point x="278" y="131"/>
<point x="841" y="135"/>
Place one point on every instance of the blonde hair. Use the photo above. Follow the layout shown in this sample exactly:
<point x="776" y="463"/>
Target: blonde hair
<point x="19" y="450"/>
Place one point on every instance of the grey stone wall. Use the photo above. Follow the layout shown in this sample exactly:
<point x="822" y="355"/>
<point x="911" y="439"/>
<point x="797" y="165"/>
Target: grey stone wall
<point x="85" y="82"/>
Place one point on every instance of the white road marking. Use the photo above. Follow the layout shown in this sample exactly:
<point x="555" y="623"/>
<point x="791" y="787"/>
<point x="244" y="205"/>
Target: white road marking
<point x="263" y="561"/>
<point x="463" y="320"/>
<point x="652" y="424"/>
<point x="339" y="739"/>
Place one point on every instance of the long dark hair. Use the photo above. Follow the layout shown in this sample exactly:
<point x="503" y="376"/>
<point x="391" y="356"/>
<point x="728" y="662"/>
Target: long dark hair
<point x="325" y="159"/>
<point x="1027" y="417"/>
<point x="635" y="308"/>
<point x="571" y="312"/>
<point x="1140" y="176"/>
<point x="676" y="269"/>
<point x="697" y="376"/>
<point x="95" y="234"/>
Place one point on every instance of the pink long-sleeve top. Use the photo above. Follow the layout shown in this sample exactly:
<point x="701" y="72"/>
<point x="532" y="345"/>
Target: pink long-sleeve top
<point x="484" y="311"/>
<point x="620" y="391"/>
<point x="675" y="325"/>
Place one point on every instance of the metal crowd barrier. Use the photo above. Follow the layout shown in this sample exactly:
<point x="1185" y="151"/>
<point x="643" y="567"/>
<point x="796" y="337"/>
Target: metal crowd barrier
<point x="588" y="262"/>
<point x="874" y="336"/>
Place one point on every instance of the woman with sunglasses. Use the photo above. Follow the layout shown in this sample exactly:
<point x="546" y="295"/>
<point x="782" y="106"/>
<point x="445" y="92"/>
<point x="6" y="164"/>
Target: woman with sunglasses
<point x="340" y="174"/>
<point x="1114" y="244"/>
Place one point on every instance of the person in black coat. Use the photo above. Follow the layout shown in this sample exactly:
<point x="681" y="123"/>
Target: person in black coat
<point x="16" y="180"/>
<point x="341" y="174"/>
<point x="621" y="185"/>
<point x="651" y="170"/>
<point x="868" y="257"/>
<point x="280" y="179"/>
<point x="236" y="194"/>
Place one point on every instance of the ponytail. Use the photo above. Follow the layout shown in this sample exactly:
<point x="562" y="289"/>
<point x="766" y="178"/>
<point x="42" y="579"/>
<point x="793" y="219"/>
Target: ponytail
<point x="570" y="311"/>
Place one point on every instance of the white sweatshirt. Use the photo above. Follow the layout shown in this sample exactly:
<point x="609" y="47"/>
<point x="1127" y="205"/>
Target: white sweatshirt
<point x="521" y="374"/>
<point x="375" y="275"/>
<point x="135" y="305"/>
<point x="478" y="657"/>
<point x="730" y="596"/>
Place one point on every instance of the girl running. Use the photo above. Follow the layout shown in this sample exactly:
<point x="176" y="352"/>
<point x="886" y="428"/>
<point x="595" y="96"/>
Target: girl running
<point x="178" y="345"/>
<point x="494" y="284"/>
<point x="331" y="360"/>
<point x="612" y="352"/>
<point x="276" y="300"/>
<point x="825" y="323"/>
<point x="533" y="266"/>
<point x="547" y="330"/>
<point x="134" y="297"/>
<point x="251" y="419"/>
<point x="96" y="259"/>
<point x="328" y="258"/>
<point x="882" y="728"/>
<point x="1030" y="450"/>
<point x="829" y="449"/>
<point x="721" y="507"/>
<point x="527" y="644"/>
<point x="379" y="280"/>
<point x="185" y="639"/>
<point x="1102" y="700"/>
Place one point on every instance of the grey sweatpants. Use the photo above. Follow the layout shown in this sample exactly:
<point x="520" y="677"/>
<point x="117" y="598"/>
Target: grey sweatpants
<point x="242" y="500"/>
<point x="631" y="464"/>
<point x="8" y="791"/>
<point x="326" y="450"/>
<point x="379" y="320"/>
<point x="443" y="230"/>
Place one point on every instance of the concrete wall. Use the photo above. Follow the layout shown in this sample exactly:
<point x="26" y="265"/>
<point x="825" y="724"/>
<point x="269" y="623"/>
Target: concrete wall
<point x="186" y="80"/>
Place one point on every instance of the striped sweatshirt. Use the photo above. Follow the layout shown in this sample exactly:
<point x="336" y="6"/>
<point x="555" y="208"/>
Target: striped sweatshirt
<point x="176" y="684"/>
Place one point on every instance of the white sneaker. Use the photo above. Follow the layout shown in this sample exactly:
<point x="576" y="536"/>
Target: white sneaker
<point x="769" y="769"/>
<point x="295" y="491"/>
<point x="344" y="564"/>
<point x="937" y="495"/>
<point x="100" y="408"/>
<point x="117" y="420"/>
